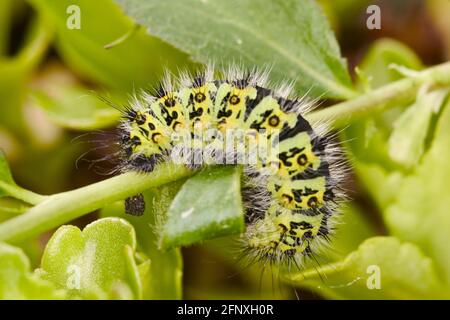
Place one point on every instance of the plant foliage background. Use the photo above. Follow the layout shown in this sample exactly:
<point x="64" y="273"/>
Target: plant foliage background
<point x="387" y="92"/>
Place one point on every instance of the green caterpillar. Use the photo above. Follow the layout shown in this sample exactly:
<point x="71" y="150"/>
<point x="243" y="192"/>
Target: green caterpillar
<point x="293" y="172"/>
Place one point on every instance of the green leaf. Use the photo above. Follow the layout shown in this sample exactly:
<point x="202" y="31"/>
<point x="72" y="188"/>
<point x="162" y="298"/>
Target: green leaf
<point x="164" y="279"/>
<point x="138" y="62"/>
<point x="96" y="263"/>
<point x="368" y="140"/>
<point x="75" y="107"/>
<point x="371" y="146"/>
<point x="9" y="188"/>
<point x="407" y="141"/>
<point x="209" y="205"/>
<point x="383" y="53"/>
<point x="373" y="175"/>
<point x="145" y="277"/>
<point x="381" y="268"/>
<point x="293" y="37"/>
<point x="6" y="179"/>
<point x="16" y="280"/>
<point x="420" y="212"/>
<point x="10" y="208"/>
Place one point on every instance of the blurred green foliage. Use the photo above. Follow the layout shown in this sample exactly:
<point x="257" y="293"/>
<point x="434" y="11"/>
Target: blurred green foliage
<point x="17" y="280"/>
<point x="398" y="221"/>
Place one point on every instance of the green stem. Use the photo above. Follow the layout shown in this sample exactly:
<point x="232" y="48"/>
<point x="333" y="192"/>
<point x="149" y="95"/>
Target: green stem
<point x="123" y="38"/>
<point x="63" y="207"/>
<point x="22" y="194"/>
<point x="342" y="113"/>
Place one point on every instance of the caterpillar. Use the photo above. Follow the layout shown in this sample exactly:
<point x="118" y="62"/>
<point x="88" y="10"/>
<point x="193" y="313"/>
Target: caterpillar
<point x="293" y="170"/>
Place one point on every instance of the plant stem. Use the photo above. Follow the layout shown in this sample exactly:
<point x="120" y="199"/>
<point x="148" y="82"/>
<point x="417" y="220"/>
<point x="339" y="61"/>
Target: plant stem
<point x="342" y="113"/>
<point x="22" y="194"/>
<point x="123" y="38"/>
<point x="63" y="207"/>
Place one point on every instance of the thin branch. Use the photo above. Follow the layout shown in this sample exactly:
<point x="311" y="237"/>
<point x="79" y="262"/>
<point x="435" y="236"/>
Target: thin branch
<point x="63" y="207"/>
<point x="403" y="90"/>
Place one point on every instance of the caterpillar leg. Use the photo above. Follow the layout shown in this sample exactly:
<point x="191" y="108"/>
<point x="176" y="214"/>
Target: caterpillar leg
<point x="135" y="205"/>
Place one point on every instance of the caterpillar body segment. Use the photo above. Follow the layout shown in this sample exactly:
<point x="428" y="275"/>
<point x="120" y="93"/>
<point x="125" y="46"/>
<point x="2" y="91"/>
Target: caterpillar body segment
<point x="296" y="155"/>
<point x="292" y="171"/>
<point x="285" y="233"/>
<point x="198" y="102"/>
<point x="299" y="194"/>
<point x="231" y="105"/>
<point x="269" y="115"/>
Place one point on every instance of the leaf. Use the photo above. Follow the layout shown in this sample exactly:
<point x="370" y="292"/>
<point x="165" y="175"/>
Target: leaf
<point x="293" y="37"/>
<point x="368" y="139"/>
<point x="10" y="208"/>
<point x="145" y="277"/>
<point x="373" y="175"/>
<point x="407" y="141"/>
<point x="420" y="212"/>
<point x="6" y="179"/>
<point x="16" y="280"/>
<point x="7" y="185"/>
<point x="209" y="205"/>
<point x="164" y="279"/>
<point x="77" y="108"/>
<point x="383" y="53"/>
<point x="70" y="104"/>
<point x="96" y="263"/>
<point x="136" y="63"/>
<point x="404" y="273"/>
<point x="9" y="188"/>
